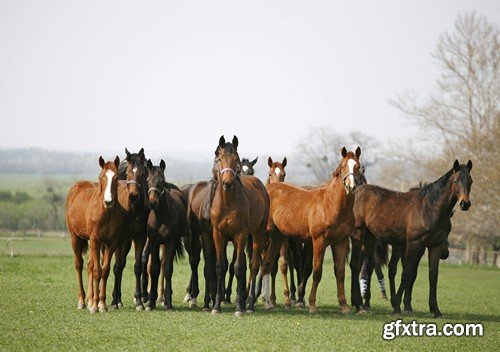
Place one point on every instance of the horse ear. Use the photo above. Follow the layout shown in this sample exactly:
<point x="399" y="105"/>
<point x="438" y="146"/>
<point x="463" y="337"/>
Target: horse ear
<point x="117" y="162"/>
<point x="358" y="152"/>
<point x="142" y="157"/>
<point x="469" y="165"/>
<point x="343" y="151"/>
<point x="284" y="162"/>
<point x="127" y="153"/>
<point x="141" y="151"/>
<point x="270" y="162"/>
<point x="235" y="142"/>
<point x="456" y="165"/>
<point x="150" y="165"/>
<point x="101" y="162"/>
<point x="222" y="142"/>
<point x="253" y="162"/>
<point x="162" y="165"/>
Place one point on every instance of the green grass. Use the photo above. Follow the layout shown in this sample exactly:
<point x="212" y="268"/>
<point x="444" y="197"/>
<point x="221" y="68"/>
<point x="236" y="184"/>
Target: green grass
<point x="38" y="296"/>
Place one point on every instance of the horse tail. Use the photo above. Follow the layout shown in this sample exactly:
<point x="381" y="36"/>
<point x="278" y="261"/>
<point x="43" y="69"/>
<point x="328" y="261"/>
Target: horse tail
<point x="249" y="244"/>
<point x="383" y="253"/>
<point x="179" y="249"/>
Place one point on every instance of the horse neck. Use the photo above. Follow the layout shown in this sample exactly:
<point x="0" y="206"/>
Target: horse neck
<point x="337" y="195"/>
<point x="228" y="198"/>
<point x="446" y="200"/>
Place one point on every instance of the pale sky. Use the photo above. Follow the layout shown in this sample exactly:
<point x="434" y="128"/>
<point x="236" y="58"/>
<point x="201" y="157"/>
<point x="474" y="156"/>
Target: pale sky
<point x="175" y="75"/>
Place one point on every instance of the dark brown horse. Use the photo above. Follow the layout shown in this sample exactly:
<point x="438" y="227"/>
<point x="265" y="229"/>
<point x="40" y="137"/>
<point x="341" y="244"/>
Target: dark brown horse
<point x="134" y="172"/>
<point x="166" y="225"/>
<point x="93" y="214"/>
<point x="323" y="215"/>
<point x="240" y="206"/>
<point x="417" y="219"/>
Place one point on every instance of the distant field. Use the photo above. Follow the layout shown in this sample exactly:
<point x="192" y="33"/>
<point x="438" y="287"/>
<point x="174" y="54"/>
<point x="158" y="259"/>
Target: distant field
<point x="34" y="184"/>
<point x="38" y="312"/>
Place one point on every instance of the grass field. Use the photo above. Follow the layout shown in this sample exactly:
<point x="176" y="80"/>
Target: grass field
<point x="38" y="312"/>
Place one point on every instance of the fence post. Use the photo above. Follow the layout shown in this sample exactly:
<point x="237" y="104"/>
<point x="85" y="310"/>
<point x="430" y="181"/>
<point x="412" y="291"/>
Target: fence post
<point x="10" y="247"/>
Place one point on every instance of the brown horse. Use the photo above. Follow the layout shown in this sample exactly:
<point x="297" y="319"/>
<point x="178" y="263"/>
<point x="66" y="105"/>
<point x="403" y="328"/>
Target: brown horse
<point x="240" y="206"/>
<point x="94" y="215"/>
<point x="417" y="219"/>
<point x="290" y="251"/>
<point x="166" y="225"/>
<point x="323" y="215"/>
<point x="133" y="170"/>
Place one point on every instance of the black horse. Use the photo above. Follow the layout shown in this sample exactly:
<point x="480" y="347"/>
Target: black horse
<point x="166" y="225"/>
<point x="417" y="219"/>
<point x="134" y="171"/>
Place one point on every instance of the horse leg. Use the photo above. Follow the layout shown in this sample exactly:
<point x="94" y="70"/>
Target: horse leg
<point x="95" y="249"/>
<point x="227" y="297"/>
<point x="220" y="267"/>
<point x="240" y="269"/>
<point x="307" y="254"/>
<point x="434" y="256"/>
<point x="106" y="266"/>
<point x="413" y="275"/>
<point x="284" y="272"/>
<point x="258" y="245"/>
<point x="154" y="249"/>
<point x="410" y="263"/>
<point x="145" y="275"/>
<point x="355" y="264"/>
<point x="318" y="257"/>
<point x="377" y="266"/>
<point x="161" y="279"/>
<point x="194" y="261"/>
<point x="138" y="248"/>
<point x="367" y="277"/>
<point x="340" y="251"/>
<point x="78" y="245"/>
<point x="208" y="270"/>
<point x="274" y="272"/>
<point x="168" y="269"/>
<point x="295" y="251"/>
<point x="90" y="281"/>
<point x="393" y="268"/>
<point x="270" y="269"/>
<point x="120" y="262"/>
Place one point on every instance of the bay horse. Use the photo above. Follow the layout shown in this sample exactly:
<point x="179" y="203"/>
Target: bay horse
<point x="166" y="225"/>
<point x="290" y="251"/>
<point x="134" y="173"/>
<point x="246" y="168"/>
<point x="240" y="206"/>
<point x="417" y="219"/>
<point x="93" y="214"/>
<point x="323" y="215"/>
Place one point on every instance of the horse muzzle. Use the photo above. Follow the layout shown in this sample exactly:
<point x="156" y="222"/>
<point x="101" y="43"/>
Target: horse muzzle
<point x="465" y="205"/>
<point x="133" y="197"/>
<point x="153" y="204"/>
<point x="227" y="186"/>
<point x="108" y="204"/>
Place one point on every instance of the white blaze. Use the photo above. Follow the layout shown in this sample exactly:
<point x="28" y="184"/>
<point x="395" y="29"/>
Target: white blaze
<point x="134" y="170"/>
<point x="277" y="171"/>
<point x="245" y="168"/>
<point x="107" y="192"/>
<point x="350" y="164"/>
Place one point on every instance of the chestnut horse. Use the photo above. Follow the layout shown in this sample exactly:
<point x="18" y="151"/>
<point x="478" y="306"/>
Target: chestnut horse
<point x="166" y="225"/>
<point x="323" y="215"/>
<point x="93" y="214"/>
<point x="240" y="206"/>
<point x="417" y="219"/>
<point x="134" y="171"/>
<point x="290" y="251"/>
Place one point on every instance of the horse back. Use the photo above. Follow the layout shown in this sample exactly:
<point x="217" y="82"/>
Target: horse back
<point x="258" y="202"/>
<point x="77" y="201"/>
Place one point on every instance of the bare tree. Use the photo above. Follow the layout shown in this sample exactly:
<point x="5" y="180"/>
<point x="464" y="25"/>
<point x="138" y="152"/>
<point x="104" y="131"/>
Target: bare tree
<point x="461" y="118"/>
<point x="319" y="150"/>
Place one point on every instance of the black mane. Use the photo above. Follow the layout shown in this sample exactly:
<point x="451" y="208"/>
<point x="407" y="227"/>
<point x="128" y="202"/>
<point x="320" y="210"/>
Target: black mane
<point x="432" y="190"/>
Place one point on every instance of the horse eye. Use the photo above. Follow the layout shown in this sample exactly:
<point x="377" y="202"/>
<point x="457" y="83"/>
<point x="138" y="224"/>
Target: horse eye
<point x="455" y="182"/>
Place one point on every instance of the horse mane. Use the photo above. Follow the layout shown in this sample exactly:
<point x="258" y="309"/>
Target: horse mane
<point x="432" y="190"/>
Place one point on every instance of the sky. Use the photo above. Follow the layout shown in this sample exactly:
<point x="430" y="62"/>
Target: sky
<point x="172" y="76"/>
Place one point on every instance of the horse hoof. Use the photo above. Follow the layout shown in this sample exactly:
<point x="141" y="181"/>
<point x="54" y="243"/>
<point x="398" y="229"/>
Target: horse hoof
<point x="168" y="308"/>
<point x="93" y="310"/>
<point x="288" y="306"/>
<point x="250" y="311"/>
<point x="120" y="305"/>
<point x="187" y="298"/>
<point x="149" y="308"/>
<point x="346" y="310"/>
<point x="81" y="305"/>
<point x="438" y="315"/>
<point x="103" y="309"/>
<point x="407" y="311"/>
<point x="300" y="305"/>
<point x="192" y="303"/>
<point x="269" y="306"/>
<point x="361" y="312"/>
<point x="215" y="312"/>
<point x="313" y="310"/>
<point x="294" y="301"/>
<point x="139" y="307"/>
<point x="205" y="309"/>
<point x="238" y="314"/>
<point x="114" y="306"/>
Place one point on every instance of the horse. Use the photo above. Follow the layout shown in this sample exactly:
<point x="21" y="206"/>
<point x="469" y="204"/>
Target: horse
<point x="321" y="216"/>
<point x="240" y="206"/>
<point x="417" y="219"/>
<point x="166" y="225"/>
<point x="93" y="214"/>
<point x="290" y="251"/>
<point x="134" y="172"/>
<point x="246" y="168"/>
